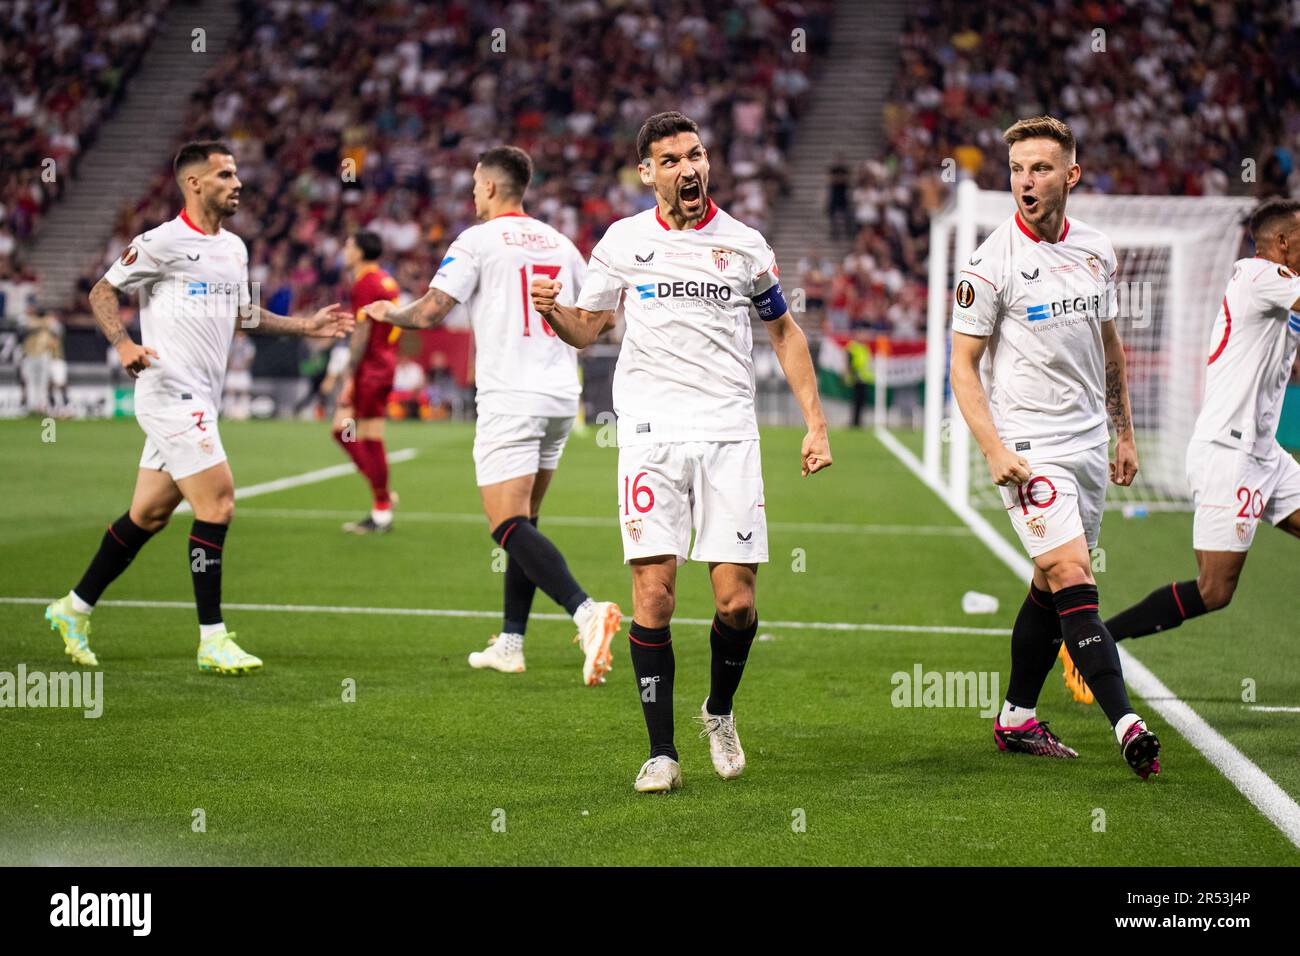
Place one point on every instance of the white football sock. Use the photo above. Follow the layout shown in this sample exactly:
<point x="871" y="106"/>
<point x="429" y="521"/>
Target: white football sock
<point x="583" y="614"/>
<point x="382" y="517"/>
<point x="510" y="643"/>
<point x="1124" y="723"/>
<point x="210" y="630"/>
<point x="1013" y="716"/>
<point x="78" y="605"/>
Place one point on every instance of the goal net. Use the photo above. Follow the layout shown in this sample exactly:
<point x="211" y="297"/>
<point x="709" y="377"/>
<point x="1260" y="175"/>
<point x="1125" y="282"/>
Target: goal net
<point x="1175" y="257"/>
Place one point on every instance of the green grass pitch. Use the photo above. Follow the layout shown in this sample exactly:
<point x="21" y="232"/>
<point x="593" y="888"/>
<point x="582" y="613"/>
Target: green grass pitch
<point x="437" y="764"/>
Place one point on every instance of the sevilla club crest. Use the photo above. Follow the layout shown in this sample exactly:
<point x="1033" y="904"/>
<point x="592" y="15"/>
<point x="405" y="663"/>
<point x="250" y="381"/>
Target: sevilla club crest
<point x="633" y="530"/>
<point x="722" y="259"/>
<point x="1037" y="526"/>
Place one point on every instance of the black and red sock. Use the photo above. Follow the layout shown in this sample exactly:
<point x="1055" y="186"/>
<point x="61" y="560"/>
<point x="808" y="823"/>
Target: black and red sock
<point x="654" y="666"/>
<point x="540" y="560"/>
<point x="519" y="596"/>
<point x="121" y="543"/>
<point x="1035" y="643"/>
<point x="1162" y="610"/>
<point x="206" y="545"/>
<point x="1092" y="648"/>
<point x="730" y="649"/>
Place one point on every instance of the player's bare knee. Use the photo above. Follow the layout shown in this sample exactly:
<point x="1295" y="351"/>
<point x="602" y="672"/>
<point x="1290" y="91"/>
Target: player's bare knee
<point x="654" y="605"/>
<point x="1067" y="574"/>
<point x="736" y="610"/>
<point x="1216" y="592"/>
<point x="152" y="519"/>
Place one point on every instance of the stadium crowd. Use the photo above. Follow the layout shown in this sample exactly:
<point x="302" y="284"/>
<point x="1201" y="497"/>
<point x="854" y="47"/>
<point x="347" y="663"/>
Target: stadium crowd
<point x="1157" y="92"/>
<point x="375" y="115"/>
<point x="65" y="68"/>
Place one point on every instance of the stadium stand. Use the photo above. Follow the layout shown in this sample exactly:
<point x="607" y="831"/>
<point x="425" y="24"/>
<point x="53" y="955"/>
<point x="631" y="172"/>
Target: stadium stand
<point x="1165" y="109"/>
<point x="411" y="94"/>
<point x="66" y="66"/>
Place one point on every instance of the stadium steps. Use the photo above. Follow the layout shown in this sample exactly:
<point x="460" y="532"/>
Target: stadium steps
<point x="844" y="119"/>
<point x="131" y="147"/>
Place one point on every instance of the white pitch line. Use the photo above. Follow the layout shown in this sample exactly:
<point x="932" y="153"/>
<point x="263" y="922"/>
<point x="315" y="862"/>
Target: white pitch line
<point x="1253" y="783"/>
<point x="492" y="615"/>
<point x="306" y="478"/>
<point x="590" y="521"/>
<point x="1274" y="710"/>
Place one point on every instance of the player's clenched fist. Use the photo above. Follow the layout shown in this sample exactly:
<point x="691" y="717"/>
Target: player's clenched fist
<point x="1008" y="468"/>
<point x="544" y="292"/>
<point x="1125" y="466"/>
<point x="816" y="452"/>
<point x="134" y="358"/>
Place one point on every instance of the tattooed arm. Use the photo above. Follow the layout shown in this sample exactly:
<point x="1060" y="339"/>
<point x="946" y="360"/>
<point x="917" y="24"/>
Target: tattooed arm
<point x="1125" y="466"/>
<point x="108" y="314"/>
<point x="424" y="313"/>
<point x="331" y="322"/>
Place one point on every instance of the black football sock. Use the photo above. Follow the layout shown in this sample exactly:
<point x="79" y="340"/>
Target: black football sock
<point x="519" y="596"/>
<point x="1161" y="610"/>
<point x="122" y="542"/>
<point x="730" y="651"/>
<point x="653" y="665"/>
<point x="1092" y="648"/>
<point x="1035" y="643"/>
<point x="205" y="546"/>
<point x="540" y="560"/>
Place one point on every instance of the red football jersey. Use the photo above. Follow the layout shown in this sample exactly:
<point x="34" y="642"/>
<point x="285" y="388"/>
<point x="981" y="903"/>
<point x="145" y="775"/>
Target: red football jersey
<point x="373" y="284"/>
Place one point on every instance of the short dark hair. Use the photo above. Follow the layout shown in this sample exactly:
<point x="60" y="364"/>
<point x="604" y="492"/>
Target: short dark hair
<point x="1042" y="127"/>
<point x="661" y="126"/>
<point x="371" y="246"/>
<point x="1268" y="213"/>
<point x="198" y="152"/>
<point x="514" y="164"/>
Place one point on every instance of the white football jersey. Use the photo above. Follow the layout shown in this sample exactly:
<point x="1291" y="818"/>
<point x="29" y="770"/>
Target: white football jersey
<point x="521" y="366"/>
<point x="1041" y="305"/>
<point x="686" y="369"/>
<point x="192" y="287"/>
<point x="1253" y="345"/>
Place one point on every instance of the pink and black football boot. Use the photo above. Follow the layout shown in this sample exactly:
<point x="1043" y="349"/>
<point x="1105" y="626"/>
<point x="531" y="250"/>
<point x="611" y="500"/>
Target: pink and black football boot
<point x="1142" y="750"/>
<point x="1031" y="737"/>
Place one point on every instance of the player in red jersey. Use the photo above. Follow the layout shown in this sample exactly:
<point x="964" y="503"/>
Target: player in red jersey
<point x="359" y="417"/>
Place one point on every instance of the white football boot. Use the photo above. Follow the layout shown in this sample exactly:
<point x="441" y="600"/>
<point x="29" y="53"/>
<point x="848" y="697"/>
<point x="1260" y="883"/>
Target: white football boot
<point x="594" y="639"/>
<point x="659" y="775"/>
<point x="724" y="743"/>
<point x="498" y="657"/>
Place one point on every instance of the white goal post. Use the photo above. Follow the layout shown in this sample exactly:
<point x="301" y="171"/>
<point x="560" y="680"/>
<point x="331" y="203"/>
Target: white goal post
<point x="1175" y="258"/>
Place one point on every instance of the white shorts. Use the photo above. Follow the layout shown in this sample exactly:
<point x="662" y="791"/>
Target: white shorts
<point x="1064" y="498"/>
<point x="1233" y="491"/>
<point x="511" y="446"/>
<point x="716" y="488"/>
<point x="182" y="435"/>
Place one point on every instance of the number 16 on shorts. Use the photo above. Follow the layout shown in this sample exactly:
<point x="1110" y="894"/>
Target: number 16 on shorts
<point x="638" y="500"/>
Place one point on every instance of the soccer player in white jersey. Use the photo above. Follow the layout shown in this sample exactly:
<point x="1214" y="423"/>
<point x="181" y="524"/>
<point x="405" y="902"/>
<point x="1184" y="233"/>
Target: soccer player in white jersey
<point x="528" y="393"/>
<point x="1035" y="304"/>
<point x="1238" y="473"/>
<point x="685" y="274"/>
<point x="192" y="276"/>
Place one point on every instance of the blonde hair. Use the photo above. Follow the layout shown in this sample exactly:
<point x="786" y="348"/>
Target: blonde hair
<point x="1042" y="127"/>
